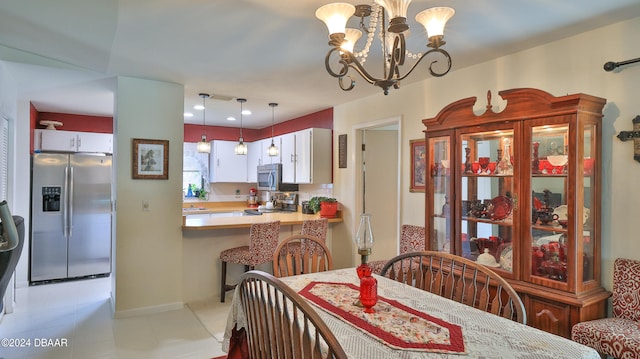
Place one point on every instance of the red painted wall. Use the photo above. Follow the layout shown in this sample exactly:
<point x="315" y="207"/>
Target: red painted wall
<point x="70" y="122"/>
<point x="81" y="123"/>
<point x="320" y="119"/>
<point x="192" y="133"/>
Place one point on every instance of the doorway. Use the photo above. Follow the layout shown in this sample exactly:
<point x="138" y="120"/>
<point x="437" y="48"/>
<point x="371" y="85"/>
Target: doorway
<point x="378" y="184"/>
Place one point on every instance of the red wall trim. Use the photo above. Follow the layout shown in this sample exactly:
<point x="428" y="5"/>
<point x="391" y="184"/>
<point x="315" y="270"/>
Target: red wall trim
<point x="320" y="119"/>
<point x="81" y="123"/>
<point x="192" y="133"/>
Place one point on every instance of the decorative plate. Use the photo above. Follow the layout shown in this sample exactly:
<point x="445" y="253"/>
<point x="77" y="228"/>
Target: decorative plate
<point x="537" y="204"/>
<point x="563" y="213"/>
<point x="501" y="207"/>
<point x="506" y="259"/>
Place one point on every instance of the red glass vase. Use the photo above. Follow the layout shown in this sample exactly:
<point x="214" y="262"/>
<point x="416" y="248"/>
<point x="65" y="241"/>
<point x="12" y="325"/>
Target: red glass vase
<point x="368" y="288"/>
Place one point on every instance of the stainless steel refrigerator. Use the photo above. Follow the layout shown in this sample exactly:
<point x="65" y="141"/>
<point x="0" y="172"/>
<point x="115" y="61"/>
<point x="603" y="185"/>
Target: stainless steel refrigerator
<point x="70" y="216"/>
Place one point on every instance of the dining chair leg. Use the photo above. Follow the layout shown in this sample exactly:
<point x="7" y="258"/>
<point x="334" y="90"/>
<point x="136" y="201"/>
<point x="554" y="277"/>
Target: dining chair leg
<point x="223" y="281"/>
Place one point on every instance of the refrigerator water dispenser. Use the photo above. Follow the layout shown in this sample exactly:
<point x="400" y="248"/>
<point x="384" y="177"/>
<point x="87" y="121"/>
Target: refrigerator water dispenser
<point x="51" y="199"/>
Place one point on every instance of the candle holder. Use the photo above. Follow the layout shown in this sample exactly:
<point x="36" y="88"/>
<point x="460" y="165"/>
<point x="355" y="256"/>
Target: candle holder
<point x="368" y="284"/>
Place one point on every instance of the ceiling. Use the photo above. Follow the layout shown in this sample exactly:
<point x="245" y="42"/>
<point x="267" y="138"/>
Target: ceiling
<point x="262" y="50"/>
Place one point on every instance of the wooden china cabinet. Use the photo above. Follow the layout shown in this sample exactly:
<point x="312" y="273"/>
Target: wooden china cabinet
<point x="522" y="185"/>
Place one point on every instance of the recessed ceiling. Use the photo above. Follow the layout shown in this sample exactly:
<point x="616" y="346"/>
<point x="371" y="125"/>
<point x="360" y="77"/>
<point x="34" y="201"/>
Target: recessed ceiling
<point x="264" y="51"/>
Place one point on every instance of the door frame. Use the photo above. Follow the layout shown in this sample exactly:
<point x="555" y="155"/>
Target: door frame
<point x="357" y="132"/>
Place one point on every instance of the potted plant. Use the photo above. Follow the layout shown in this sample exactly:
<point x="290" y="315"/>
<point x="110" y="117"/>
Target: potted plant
<point x="326" y="206"/>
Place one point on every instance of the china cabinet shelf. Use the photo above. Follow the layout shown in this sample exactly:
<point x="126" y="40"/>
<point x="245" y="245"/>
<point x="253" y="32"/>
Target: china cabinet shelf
<point x="522" y="171"/>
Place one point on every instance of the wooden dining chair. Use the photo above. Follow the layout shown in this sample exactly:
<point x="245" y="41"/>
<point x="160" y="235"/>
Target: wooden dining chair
<point x="459" y="279"/>
<point x="411" y="240"/>
<point x="299" y="254"/>
<point x="281" y="324"/>
<point x="263" y="240"/>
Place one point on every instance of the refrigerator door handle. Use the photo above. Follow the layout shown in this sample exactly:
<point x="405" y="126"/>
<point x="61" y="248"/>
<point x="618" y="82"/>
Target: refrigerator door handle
<point x="69" y="211"/>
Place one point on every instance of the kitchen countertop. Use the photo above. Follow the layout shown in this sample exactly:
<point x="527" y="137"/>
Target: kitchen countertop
<point x="203" y="217"/>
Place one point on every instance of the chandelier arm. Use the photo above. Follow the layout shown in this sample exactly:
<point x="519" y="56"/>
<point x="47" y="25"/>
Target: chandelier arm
<point x="345" y="65"/>
<point x="431" y="71"/>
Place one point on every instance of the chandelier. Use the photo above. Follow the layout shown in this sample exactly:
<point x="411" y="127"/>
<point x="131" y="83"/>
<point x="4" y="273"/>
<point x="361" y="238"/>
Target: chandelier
<point x="204" y="146"/>
<point x="392" y="39"/>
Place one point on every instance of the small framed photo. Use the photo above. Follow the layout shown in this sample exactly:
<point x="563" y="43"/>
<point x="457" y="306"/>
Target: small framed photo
<point x="150" y="159"/>
<point x="418" y="165"/>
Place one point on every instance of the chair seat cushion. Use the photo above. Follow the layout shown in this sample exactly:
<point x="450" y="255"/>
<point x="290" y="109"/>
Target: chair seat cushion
<point x="237" y="255"/>
<point x="617" y="337"/>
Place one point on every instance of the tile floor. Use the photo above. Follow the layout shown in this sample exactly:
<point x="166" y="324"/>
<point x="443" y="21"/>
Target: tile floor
<point x="79" y="313"/>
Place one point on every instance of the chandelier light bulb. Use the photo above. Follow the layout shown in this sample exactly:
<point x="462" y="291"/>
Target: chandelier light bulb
<point x="335" y="16"/>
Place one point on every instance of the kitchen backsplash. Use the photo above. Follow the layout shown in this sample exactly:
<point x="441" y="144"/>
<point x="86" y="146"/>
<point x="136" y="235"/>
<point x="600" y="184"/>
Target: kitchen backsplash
<point x="233" y="192"/>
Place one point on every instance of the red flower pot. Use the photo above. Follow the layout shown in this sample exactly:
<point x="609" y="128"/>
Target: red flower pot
<point x="328" y="209"/>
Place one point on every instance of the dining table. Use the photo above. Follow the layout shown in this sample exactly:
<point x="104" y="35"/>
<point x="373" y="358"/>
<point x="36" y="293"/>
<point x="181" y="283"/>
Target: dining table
<point x="412" y="323"/>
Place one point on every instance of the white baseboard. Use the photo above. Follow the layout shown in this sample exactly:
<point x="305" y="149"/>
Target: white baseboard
<point x="147" y="310"/>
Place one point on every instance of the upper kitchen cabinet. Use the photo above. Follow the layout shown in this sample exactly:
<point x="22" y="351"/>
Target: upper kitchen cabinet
<point x="257" y="156"/>
<point x="306" y="156"/>
<point x="225" y="165"/>
<point x="72" y="141"/>
<point x="519" y="190"/>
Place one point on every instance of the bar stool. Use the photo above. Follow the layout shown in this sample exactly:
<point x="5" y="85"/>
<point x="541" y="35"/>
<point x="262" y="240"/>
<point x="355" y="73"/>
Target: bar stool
<point x="315" y="228"/>
<point x="411" y="240"/>
<point x="263" y="240"/>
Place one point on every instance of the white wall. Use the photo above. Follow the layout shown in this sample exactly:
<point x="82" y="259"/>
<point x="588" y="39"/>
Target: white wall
<point x="572" y="65"/>
<point x="148" y="255"/>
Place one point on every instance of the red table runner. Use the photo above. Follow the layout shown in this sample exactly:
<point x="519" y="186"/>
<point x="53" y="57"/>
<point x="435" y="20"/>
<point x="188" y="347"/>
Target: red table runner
<point x="393" y="323"/>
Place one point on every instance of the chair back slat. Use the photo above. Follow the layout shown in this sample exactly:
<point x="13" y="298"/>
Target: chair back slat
<point x="458" y="279"/>
<point x="299" y="254"/>
<point x="280" y="324"/>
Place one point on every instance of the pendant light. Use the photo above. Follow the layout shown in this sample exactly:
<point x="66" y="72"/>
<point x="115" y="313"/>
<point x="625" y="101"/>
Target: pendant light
<point x="273" y="150"/>
<point x="203" y="145"/>
<point x="241" y="147"/>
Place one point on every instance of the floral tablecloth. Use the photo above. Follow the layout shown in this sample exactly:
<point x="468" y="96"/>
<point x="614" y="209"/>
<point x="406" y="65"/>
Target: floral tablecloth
<point x="486" y="336"/>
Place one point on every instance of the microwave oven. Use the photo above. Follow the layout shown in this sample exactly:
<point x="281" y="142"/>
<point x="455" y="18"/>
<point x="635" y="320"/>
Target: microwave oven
<point x="270" y="179"/>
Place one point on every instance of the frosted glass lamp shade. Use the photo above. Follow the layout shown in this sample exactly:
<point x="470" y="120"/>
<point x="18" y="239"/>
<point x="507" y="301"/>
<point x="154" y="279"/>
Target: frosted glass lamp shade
<point x="241" y="148"/>
<point x="203" y="146"/>
<point x="395" y="8"/>
<point x="273" y="150"/>
<point x="435" y="19"/>
<point x="335" y="16"/>
<point x="352" y="36"/>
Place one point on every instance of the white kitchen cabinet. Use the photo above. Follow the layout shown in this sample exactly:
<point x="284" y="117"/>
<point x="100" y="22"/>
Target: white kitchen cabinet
<point x="225" y="165"/>
<point x="72" y="141"/>
<point x="257" y="156"/>
<point x="306" y="156"/>
<point x="288" y="157"/>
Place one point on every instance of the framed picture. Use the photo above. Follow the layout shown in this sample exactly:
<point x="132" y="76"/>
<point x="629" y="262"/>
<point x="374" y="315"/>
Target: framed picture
<point x="418" y="165"/>
<point x="150" y="159"/>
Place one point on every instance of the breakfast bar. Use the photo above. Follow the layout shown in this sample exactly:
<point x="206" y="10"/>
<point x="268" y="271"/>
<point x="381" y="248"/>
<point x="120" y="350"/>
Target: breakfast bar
<point x="225" y="215"/>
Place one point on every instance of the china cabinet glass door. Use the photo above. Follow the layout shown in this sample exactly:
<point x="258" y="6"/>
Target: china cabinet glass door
<point x="550" y="217"/>
<point x="439" y="186"/>
<point x="487" y="199"/>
